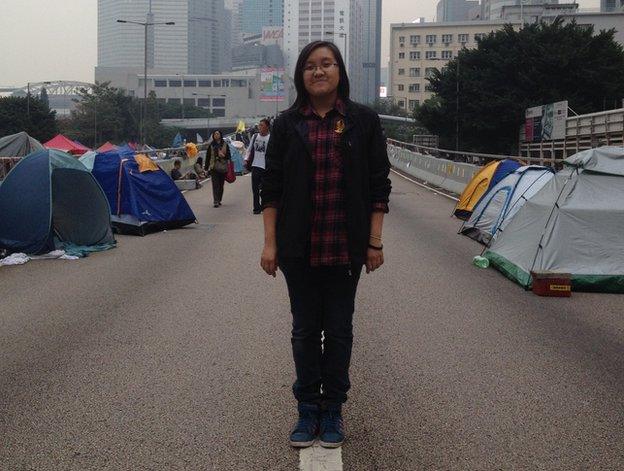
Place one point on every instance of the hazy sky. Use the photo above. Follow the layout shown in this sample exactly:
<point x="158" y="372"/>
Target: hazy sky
<point x="57" y="39"/>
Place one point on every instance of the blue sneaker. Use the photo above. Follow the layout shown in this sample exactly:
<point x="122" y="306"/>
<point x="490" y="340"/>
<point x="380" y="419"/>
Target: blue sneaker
<point x="332" y="427"/>
<point x="307" y="427"/>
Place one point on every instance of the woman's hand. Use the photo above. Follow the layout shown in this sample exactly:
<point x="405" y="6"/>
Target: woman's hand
<point x="268" y="261"/>
<point x="374" y="259"/>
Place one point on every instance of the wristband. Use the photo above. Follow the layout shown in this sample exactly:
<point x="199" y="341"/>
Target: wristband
<point x="371" y="246"/>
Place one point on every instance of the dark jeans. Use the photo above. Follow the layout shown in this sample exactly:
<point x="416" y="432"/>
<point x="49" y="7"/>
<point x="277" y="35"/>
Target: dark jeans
<point x="256" y="183"/>
<point x="322" y="301"/>
<point x="218" y="180"/>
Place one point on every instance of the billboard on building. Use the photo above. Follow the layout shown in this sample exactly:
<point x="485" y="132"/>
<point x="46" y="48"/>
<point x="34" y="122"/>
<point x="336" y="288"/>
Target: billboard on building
<point x="273" y="35"/>
<point x="272" y="86"/>
<point x="546" y="123"/>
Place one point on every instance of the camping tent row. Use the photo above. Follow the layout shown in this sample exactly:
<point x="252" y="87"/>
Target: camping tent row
<point x="536" y="221"/>
<point x="60" y="142"/>
<point x="572" y="225"/>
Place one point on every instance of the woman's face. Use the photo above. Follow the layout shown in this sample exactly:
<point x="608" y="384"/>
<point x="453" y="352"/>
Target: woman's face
<point x="321" y="74"/>
<point x="216" y="136"/>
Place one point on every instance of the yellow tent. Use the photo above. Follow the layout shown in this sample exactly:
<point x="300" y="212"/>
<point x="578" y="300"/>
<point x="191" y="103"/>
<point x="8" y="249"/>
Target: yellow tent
<point x="475" y="190"/>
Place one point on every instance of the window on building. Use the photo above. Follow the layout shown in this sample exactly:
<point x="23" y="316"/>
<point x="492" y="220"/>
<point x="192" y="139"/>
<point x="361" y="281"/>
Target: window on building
<point x="225" y="83"/>
<point x="238" y="83"/>
<point x="429" y="71"/>
<point x="216" y="83"/>
<point x="414" y="72"/>
<point x="428" y="88"/>
<point x="447" y="54"/>
<point x="218" y="112"/>
<point x="190" y="83"/>
<point x="479" y="36"/>
<point x="401" y="71"/>
<point x="401" y="103"/>
<point x="401" y="39"/>
<point x="205" y="83"/>
<point x="400" y="87"/>
<point x="430" y="55"/>
<point x="414" y="88"/>
<point x="401" y="55"/>
<point x="218" y="102"/>
<point x="415" y="55"/>
<point x="462" y="38"/>
<point x="413" y="104"/>
<point x="415" y="39"/>
<point x="160" y="83"/>
<point x="447" y="38"/>
<point x="203" y="102"/>
<point x="431" y="39"/>
<point x="175" y="83"/>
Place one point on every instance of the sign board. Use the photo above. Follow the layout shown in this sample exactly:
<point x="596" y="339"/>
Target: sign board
<point x="272" y="35"/>
<point x="546" y="123"/>
<point x="272" y="84"/>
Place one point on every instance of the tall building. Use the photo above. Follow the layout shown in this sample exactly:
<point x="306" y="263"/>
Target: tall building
<point x="418" y="49"/>
<point x="455" y="10"/>
<point x="257" y="14"/>
<point x="371" y="50"/>
<point x="236" y="7"/>
<point x="339" y="21"/>
<point x="194" y="44"/>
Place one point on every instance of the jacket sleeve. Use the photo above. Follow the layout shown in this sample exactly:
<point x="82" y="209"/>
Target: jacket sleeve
<point x="273" y="179"/>
<point x="379" y="168"/>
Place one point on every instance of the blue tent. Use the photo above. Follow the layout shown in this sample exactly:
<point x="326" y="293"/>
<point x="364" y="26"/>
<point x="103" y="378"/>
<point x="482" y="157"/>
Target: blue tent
<point x="49" y="201"/>
<point x="140" y="201"/>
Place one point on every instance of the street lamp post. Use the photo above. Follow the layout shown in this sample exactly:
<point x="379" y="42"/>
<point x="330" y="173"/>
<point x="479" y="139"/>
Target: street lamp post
<point x="145" y="25"/>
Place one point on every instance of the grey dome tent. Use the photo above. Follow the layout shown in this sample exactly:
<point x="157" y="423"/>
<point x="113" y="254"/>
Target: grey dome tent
<point x="19" y="145"/>
<point x="50" y="200"/>
<point x="498" y="206"/>
<point x="573" y="225"/>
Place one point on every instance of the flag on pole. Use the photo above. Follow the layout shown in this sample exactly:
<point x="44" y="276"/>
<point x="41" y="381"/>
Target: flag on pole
<point x="199" y="139"/>
<point x="177" y="140"/>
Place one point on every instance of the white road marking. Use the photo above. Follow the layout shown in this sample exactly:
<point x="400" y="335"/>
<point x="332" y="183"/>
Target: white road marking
<point x="425" y="186"/>
<point x="317" y="458"/>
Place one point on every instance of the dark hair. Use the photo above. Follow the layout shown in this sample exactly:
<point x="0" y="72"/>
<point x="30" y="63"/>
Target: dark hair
<point x="266" y="121"/>
<point x="176" y="162"/>
<point x="200" y="160"/>
<point x="302" y="93"/>
<point x="217" y="130"/>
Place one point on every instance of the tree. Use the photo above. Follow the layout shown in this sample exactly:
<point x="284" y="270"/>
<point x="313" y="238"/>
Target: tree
<point x="511" y="71"/>
<point x="17" y="115"/>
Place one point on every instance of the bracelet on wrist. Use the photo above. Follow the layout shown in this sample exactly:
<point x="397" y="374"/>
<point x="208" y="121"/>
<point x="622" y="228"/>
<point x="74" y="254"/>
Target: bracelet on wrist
<point x="371" y="246"/>
<point x="375" y="237"/>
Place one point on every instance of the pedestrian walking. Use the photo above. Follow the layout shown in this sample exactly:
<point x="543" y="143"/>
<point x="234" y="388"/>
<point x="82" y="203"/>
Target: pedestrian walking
<point x="255" y="161"/>
<point x="217" y="158"/>
<point x="325" y="193"/>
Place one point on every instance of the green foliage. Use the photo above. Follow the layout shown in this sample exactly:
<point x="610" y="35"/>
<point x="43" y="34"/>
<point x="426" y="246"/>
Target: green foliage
<point x="115" y="117"/>
<point x="395" y="130"/>
<point x="514" y="70"/>
<point x="15" y="117"/>
<point x="43" y="96"/>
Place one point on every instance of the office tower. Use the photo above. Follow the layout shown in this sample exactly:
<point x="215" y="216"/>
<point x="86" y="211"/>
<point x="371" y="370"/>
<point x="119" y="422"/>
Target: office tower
<point x="257" y="14"/>
<point x="197" y="43"/>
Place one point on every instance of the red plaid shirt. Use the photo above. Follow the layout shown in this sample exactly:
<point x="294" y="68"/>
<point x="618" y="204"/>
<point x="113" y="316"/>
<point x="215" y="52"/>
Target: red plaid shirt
<point x="328" y="238"/>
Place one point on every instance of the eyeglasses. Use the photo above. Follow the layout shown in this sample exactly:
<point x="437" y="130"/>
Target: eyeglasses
<point x="310" y="69"/>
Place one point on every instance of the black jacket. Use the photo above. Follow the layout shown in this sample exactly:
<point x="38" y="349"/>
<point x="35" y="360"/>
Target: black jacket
<point x="289" y="172"/>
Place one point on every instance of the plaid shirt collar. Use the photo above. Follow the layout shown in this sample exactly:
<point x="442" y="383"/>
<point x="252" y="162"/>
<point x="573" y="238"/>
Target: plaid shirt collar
<point x="339" y="107"/>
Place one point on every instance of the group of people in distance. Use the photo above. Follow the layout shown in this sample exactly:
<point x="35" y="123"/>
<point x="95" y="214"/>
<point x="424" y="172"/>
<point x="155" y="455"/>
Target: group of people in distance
<point x="217" y="157"/>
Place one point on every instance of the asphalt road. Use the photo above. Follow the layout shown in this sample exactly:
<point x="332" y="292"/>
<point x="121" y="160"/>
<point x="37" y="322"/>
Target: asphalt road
<point x="172" y="352"/>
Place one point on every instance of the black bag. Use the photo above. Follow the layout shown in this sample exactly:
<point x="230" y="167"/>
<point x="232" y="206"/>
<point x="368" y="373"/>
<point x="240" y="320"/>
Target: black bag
<point x="252" y="153"/>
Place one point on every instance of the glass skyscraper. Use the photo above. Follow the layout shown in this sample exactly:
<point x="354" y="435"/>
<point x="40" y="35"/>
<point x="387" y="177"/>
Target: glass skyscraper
<point x="260" y="13"/>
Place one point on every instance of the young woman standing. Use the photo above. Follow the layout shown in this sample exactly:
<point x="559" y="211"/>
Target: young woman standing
<point x="217" y="158"/>
<point x="325" y="192"/>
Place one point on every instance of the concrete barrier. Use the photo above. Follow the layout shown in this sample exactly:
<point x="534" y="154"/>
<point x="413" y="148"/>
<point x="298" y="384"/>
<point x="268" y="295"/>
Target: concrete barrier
<point x="446" y="174"/>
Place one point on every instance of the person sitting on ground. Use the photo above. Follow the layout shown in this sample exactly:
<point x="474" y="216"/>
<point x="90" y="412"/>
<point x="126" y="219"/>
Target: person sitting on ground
<point x="199" y="168"/>
<point x="176" y="174"/>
